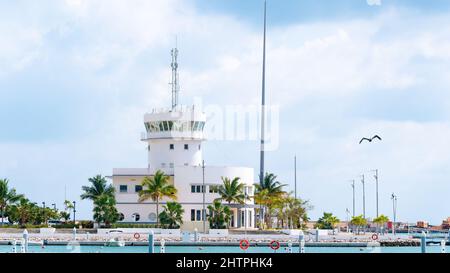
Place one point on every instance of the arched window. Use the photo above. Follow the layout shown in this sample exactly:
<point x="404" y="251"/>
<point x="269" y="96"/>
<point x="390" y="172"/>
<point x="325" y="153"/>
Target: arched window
<point x="152" y="217"/>
<point x="136" y="217"/>
<point x="121" y="217"/>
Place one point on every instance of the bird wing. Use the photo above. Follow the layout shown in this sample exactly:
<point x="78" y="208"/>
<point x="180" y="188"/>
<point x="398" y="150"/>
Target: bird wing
<point x="377" y="136"/>
<point x="364" y="138"/>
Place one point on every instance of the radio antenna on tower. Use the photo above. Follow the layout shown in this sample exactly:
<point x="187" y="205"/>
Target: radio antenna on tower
<point x="174" y="83"/>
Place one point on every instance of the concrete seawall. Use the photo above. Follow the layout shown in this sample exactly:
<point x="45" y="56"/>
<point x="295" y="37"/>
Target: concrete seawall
<point x="194" y="244"/>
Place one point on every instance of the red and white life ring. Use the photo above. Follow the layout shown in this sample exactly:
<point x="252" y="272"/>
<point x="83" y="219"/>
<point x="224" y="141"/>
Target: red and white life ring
<point x="137" y="236"/>
<point x="375" y="237"/>
<point x="275" y="245"/>
<point x="244" y="244"/>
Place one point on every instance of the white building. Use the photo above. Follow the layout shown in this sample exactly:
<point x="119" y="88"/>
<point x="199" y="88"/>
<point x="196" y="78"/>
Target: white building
<point x="174" y="139"/>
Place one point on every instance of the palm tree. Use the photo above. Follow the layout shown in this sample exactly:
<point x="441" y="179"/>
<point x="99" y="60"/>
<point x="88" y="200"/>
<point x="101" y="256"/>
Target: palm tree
<point x="274" y="191"/>
<point x="7" y="196"/>
<point x="232" y="191"/>
<point x="99" y="187"/>
<point x="172" y="215"/>
<point x="358" y="221"/>
<point x="156" y="188"/>
<point x="261" y="198"/>
<point x="24" y="211"/>
<point x="105" y="210"/>
<point x="381" y="220"/>
<point x="327" y="221"/>
<point x="291" y="211"/>
<point x="219" y="215"/>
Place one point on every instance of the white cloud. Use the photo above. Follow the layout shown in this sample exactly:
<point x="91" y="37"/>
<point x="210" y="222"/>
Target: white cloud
<point x="120" y="50"/>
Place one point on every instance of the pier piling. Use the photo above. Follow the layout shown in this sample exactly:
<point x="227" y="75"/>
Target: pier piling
<point x="25" y="241"/>
<point x="196" y="235"/>
<point x="423" y="242"/>
<point x="151" y="242"/>
<point x="14" y="248"/>
<point x="301" y="241"/>
<point x="74" y="233"/>
<point x="163" y="246"/>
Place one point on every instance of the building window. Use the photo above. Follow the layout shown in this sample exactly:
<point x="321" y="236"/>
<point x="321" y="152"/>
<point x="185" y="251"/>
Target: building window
<point x="192" y="214"/>
<point x="197" y="188"/>
<point x="198" y="215"/>
<point x="186" y="146"/>
<point x="123" y="188"/>
<point x="137" y="188"/>
<point x="152" y="217"/>
<point x="248" y="191"/>
<point x="199" y="147"/>
<point x="250" y="218"/>
<point x="171" y="165"/>
<point x="136" y="217"/>
<point x="121" y="217"/>
<point x="172" y="146"/>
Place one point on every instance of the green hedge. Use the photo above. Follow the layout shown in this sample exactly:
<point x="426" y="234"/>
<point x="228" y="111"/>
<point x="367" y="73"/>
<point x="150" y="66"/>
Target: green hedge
<point x="119" y="225"/>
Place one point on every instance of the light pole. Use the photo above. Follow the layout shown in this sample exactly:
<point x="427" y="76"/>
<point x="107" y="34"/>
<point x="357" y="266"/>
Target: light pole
<point x="364" y="195"/>
<point x="245" y="211"/>
<point x="54" y="206"/>
<point x="295" y="177"/>
<point x="204" y="192"/>
<point x="347" y="211"/>
<point x="376" y="181"/>
<point x="354" y="206"/>
<point x="74" y="211"/>
<point x="394" y="211"/>
<point x="43" y="212"/>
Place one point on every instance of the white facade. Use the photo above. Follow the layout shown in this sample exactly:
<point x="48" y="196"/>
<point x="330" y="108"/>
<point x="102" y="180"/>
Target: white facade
<point x="174" y="138"/>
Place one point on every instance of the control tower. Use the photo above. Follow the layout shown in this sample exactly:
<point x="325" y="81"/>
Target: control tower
<point x="174" y="135"/>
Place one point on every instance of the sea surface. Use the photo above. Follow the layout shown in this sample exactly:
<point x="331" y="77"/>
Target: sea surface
<point x="218" y="249"/>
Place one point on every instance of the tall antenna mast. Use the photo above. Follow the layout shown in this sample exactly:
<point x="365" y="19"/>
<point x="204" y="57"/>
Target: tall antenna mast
<point x="174" y="83"/>
<point x="263" y="103"/>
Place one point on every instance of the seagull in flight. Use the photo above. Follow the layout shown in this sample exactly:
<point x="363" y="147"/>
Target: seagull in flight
<point x="370" y="139"/>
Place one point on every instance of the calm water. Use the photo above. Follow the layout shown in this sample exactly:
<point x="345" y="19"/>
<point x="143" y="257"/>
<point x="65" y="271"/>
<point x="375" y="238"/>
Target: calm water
<point x="213" y="249"/>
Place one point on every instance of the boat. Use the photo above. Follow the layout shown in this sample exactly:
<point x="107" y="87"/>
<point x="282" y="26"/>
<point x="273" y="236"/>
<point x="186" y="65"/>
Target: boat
<point x="115" y="243"/>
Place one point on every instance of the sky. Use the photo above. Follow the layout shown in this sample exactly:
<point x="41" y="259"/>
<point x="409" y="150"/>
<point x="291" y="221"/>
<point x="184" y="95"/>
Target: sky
<point x="77" y="76"/>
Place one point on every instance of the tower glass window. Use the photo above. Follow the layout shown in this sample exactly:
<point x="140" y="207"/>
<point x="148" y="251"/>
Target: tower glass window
<point x="186" y="146"/>
<point x="172" y="146"/>
<point x="123" y="188"/>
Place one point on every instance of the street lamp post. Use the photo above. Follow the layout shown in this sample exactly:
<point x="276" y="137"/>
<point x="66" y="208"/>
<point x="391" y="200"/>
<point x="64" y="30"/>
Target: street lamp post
<point x="295" y="177"/>
<point x="245" y="212"/>
<point x="74" y="211"/>
<point x="364" y="195"/>
<point x="354" y="205"/>
<point x="54" y="206"/>
<point x="43" y="212"/>
<point x="347" y="211"/>
<point x="376" y="181"/>
<point x="394" y="211"/>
